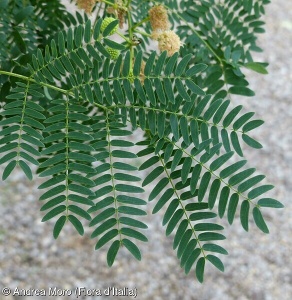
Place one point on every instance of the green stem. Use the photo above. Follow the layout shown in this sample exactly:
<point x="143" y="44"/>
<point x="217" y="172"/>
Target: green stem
<point x="67" y="157"/>
<point x="107" y="2"/>
<point x="124" y="37"/>
<point x="112" y="176"/>
<point x="21" y="122"/>
<point x="130" y="35"/>
<point x="34" y="81"/>
<point x="143" y="33"/>
<point x="140" y="23"/>
<point x="67" y="92"/>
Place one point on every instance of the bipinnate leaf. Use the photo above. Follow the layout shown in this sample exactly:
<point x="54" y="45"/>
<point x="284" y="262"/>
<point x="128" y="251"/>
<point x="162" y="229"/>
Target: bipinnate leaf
<point x="72" y="97"/>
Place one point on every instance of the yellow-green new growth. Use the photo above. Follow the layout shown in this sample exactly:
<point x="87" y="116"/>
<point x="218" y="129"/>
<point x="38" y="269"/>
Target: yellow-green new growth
<point x="106" y="22"/>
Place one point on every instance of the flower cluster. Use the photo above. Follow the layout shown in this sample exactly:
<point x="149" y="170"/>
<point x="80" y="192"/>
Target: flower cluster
<point x="114" y="53"/>
<point x="167" y="39"/>
<point x="159" y="18"/>
<point x="87" y="5"/>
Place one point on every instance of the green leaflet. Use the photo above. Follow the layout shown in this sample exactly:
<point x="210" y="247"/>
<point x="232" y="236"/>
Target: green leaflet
<point x="202" y="216"/>
<point x="26" y="169"/>
<point x="59" y="226"/>
<point x="112" y="252"/>
<point x="211" y="236"/>
<point x="214" y="248"/>
<point x="191" y="260"/>
<point x="179" y="233"/>
<point x="79" y="211"/>
<point x="216" y="164"/>
<point x="251" y="142"/>
<point x="188" y="251"/>
<point x="207" y="227"/>
<point x="244" y="214"/>
<point x="153" y="175"/>
<point x="204" y="185"/>
<point x="8" y="169"/>
<point x="269" y="202"/>
<point x="232" y="207"/>
<point x="216" y="262"/>
<point x="130" y="200"/>
<point x="200" y="267"/>
<point x="184" y="242"/>
<point x="80" y="199"/>
<point x="106" y="238"/>
<point x="128" y="188"/>
<point x="53" y="181"/>
<point x="241" y="90"/>
<point x="195" y="178"/>
<point x="174" y="126"/>
<point x="132" y="222"/>
<point x="133" y="249"/>
<point x="176" y="159"/>
<point x="163" y="200"/>
<point x="131" y="211"/>
<point x="104" y="227"/>
<point x="102" y="216"/>
<point x="223" y="199"/>
<point x="186" y="167"/>
<point x="53" y="192"/>
<point x="259" y="220"/>
<point x="159" y="187"/>
<point x="174" y="221"/>
<point x="134" y="234"/>
<point x="53" y="202"/>
<point x="54" y="212"/>
<point x="80" y="189"/>
<point x="259" y="191"/>
<point x="257" y="67"/>
<point x="213" y="193"/>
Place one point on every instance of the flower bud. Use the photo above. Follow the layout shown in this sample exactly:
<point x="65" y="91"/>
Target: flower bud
<point x="106" y="22"/>
<point x="114" y="53"/>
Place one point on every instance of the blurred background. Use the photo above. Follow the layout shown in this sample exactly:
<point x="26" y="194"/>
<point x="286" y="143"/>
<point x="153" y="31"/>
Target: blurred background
<point x="258" y="267"/>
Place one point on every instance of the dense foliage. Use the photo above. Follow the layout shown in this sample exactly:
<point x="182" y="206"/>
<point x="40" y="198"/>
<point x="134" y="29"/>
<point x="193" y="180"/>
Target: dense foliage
<point x="72" y="95"/>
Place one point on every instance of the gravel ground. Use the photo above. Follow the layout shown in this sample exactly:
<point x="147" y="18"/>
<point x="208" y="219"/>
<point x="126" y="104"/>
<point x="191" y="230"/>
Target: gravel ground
<point x="258" y="266"/>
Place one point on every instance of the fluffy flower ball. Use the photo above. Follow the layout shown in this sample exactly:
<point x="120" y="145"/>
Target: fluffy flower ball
<point x="169" y="41"/>
<point x="87" y="5"/>
<point x="159" y="18"/>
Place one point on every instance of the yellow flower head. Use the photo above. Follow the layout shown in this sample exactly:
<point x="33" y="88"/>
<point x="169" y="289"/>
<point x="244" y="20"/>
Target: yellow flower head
<point x="87" y="5"/>
<point x="169" y="41"/>
<point x="159" y="18"/>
